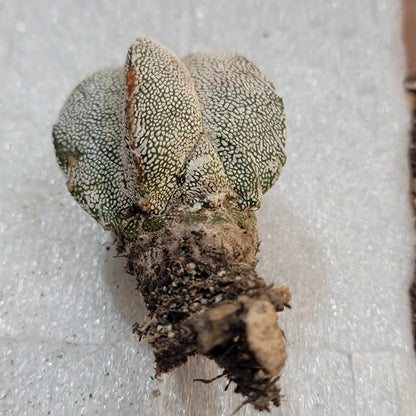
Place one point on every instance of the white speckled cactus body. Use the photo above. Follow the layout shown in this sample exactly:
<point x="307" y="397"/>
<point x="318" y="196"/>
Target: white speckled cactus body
<point x="173" y="156"/>
<point x="165" y="129"/>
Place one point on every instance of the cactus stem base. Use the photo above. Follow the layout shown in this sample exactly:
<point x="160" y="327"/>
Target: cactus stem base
<point x="196" y="271"/>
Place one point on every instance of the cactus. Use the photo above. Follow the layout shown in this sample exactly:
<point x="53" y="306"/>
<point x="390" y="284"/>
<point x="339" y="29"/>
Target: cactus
<point x="174" y="156"/>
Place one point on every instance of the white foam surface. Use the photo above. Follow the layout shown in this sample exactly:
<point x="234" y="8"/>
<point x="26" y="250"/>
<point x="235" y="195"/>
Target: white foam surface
<point x="337" y="227"/>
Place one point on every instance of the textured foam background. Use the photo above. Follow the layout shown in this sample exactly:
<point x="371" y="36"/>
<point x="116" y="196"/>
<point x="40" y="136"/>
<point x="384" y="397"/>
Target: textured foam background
<point x="337" y="227"/>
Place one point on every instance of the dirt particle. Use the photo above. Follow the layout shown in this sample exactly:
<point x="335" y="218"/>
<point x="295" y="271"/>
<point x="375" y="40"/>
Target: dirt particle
<point x="156" y="393"/>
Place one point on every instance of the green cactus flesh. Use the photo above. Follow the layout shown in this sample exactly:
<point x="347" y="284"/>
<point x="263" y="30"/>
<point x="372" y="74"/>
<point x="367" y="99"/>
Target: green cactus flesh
<point x="244" y="118"/>
<point x="164" y="129"/>
<point x="87" y="139"/>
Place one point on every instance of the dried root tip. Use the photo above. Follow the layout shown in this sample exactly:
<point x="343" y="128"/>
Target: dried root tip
<point x="244" y="338"/>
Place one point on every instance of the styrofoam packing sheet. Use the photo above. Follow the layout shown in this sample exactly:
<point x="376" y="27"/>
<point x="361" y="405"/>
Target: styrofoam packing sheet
<point x="337" y="227"/>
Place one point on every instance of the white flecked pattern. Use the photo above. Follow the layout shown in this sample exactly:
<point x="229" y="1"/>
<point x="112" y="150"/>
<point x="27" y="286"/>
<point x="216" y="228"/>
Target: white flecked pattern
<point x="337" y="226"/>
